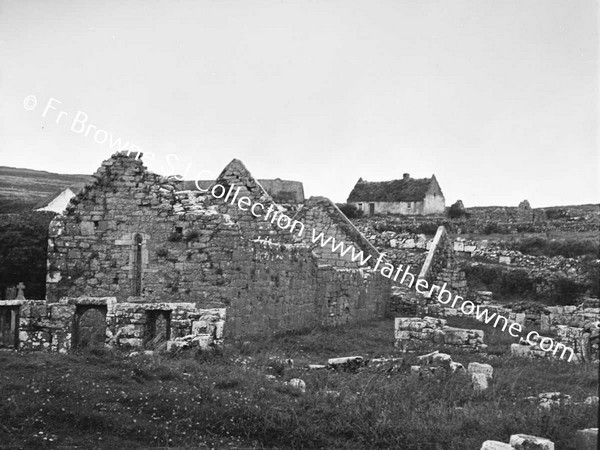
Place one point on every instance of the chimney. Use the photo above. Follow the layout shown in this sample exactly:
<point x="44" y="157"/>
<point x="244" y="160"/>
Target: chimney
<point x="406" y="176"/>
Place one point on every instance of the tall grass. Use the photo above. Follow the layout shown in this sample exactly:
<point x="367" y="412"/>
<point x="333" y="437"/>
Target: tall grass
<point x="103" y="398"/>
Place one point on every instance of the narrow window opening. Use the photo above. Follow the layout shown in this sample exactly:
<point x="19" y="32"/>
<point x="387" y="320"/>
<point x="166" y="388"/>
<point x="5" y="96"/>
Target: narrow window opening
<point x="137" y="266"/>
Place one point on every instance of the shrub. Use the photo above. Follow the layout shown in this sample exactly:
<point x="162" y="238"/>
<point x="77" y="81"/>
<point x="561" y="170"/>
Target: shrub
<point x="513" y="282"/>
<point x="567" y="291"/>
<point x="500" y="280"/>
<point x="162" y="252"/>
<point x="429" y="228"/>
<point x="349" y="210"/>
<point x="175" y="237"/>
<point x="457" y="210"/>
<point x="539" y="246"/>
<point x="190" y="235"/>
<point x="557" y="213"/>
<point x="591" y="270"/>
<point x="494" y="228"/>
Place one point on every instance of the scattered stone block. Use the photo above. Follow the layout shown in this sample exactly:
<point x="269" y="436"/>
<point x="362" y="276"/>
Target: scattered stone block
<point x="415" y="370"/>
<point x="528" y="442"/>
<point x="456" y="367"/>
<point x="480" y="382"/>
<point x="298" y="384"/>
<point x="587" y="439"/>
<point x="435" y="357"/>
<point x="347" y="362"/>
<point x="496" y="445"/>
<point x="485" y="369"/>
<point x="549" y="400"/>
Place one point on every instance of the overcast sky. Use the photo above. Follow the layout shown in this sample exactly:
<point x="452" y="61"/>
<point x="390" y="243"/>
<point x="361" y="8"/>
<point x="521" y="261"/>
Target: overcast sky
<point x="498" y="98"/>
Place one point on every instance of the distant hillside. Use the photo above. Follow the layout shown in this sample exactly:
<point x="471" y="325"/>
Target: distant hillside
<point x="22" y="189"/>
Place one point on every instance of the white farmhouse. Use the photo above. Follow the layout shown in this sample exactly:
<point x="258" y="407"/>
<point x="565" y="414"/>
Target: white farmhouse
<point x="407" y="196"/>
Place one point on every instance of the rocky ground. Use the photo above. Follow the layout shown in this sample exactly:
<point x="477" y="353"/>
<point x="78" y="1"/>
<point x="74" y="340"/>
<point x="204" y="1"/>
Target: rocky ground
<point x="284" y="392"/>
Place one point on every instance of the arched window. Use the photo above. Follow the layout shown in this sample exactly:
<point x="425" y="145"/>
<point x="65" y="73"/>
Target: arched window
<point x="137" y="266"/>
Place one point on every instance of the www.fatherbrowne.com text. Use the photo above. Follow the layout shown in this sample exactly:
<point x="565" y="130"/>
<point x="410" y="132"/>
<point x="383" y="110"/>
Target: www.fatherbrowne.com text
<point x="386" y="269"/>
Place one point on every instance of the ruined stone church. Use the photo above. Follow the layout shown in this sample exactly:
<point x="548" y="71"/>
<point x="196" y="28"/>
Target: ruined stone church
<point x="136" y="256"/>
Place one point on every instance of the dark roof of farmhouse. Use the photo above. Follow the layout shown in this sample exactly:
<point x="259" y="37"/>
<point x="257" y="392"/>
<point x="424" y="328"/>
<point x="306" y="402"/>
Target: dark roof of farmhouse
<point x="403" y="190"/>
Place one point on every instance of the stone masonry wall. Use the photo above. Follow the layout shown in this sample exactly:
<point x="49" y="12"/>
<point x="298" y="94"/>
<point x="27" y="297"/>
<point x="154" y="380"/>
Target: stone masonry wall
<point x="323" y="216"/>
<point x="415" y="333"/>
<point x="54" y="326"/>
<point x="197" y="249"/>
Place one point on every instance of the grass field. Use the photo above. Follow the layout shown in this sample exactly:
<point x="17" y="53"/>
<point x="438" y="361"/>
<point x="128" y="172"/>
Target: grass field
<point x="102" y="398"/>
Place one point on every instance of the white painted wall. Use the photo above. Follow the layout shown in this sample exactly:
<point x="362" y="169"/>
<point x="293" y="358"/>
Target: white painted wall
<point x="60" y="202"/>
<point x="432" y="205"/>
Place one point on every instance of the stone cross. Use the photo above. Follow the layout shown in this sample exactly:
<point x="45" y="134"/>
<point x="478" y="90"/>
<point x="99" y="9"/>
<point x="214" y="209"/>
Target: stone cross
<point x="20" y="294"/>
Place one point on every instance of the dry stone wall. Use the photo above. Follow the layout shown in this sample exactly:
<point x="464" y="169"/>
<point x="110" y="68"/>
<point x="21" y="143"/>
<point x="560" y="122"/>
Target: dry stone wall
<point x="415" y="333"/>
<point x="577" y="327"/>
<point x="89" y="321"/>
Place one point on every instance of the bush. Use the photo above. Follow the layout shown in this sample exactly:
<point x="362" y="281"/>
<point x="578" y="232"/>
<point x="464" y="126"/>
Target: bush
<point x="539" y="246"/>
<point x="500" y="280"/>
<point x="557" y="213"/>
<point x="429" y="228"/>
<point x="567" y="291"/>
<point x="175" y="237"/>
<point x="190" y="235"/>
<point x="162" y="252"/>
<point x="349" y="210"/>
<point x="494" y="228"/>
<point x="457" y="210"/>
<point x="591" y="269"/>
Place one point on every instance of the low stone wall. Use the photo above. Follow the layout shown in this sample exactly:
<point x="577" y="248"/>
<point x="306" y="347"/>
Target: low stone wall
<point x="544" y="318"/>
<point x="415" y="333"/>
<point x="584" y="341"/>
<point x="543" y="269"/>
<point x="577" y="327"/>
<point x="40" y="326"/>
<point x="405" y="302"/>
<point x="186" y="323"/>
<point x="85" y="321"/>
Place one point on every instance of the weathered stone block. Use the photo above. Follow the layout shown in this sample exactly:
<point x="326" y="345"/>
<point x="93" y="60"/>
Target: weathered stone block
<point x="485" y="369"/>
<point x="528" y="442"/>
<point x="480" y="382"/>
<point x="587" y="439"/>
<point x="496" y="445"/>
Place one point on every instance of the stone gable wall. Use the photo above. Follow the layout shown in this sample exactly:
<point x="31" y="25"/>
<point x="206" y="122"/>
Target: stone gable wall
<point x="200" y="250"/>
